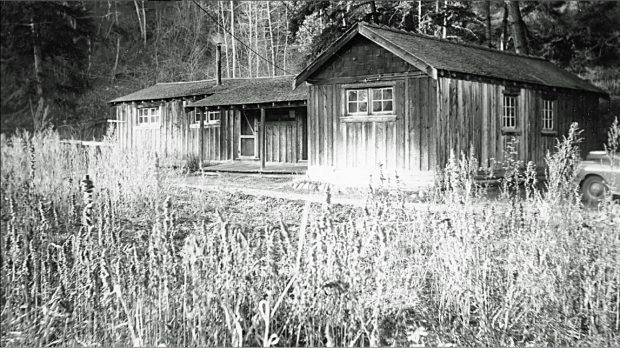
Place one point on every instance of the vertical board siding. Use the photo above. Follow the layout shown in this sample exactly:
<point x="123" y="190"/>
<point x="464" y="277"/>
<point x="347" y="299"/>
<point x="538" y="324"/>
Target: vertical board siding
<point x="396" y="145"/>
<point x="435" y="117"/>
<point x="281" y="143"/>
<point x="471" y="113"/>
<point x="173" y="137"/>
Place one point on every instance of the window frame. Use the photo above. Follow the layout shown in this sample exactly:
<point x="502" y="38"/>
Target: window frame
<point x="206" y="115"/>
<point x="549" y="100"/>
<point x="368" y="115"/>
<point x="510" y="94"/>
<point x="357" y="101"/>
<point x="148" y="116"/>
<point x="382" y="100"/>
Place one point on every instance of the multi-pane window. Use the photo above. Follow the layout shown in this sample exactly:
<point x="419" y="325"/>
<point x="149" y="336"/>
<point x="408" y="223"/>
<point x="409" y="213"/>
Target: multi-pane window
<point x="148" y="116"/>
<point x="357" y="101"/>
<point x="509" y="119"/>
<point x="547" y="116"/>
<point x="207" y="116"/>
<point x="381" y="99"/>
<point x="213" y="116"/>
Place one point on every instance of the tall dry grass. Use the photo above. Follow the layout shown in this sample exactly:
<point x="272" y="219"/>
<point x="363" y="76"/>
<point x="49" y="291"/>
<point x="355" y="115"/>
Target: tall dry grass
<point x="113" y="258"/>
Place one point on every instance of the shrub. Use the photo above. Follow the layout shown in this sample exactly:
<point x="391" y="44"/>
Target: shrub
<point x="153" y="265"/>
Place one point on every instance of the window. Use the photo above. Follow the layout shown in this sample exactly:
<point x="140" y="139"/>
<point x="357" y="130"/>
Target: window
<point x="547" y="116"/>
<point x="207" y="116"/>
<point x="148" y="116"/>
<point x="509" y="119"/>
<point x="357" y="101"/>
<point x="213" y="116"/>
<point x="381" y="99"/>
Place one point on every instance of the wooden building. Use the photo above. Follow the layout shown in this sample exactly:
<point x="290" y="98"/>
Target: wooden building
<point x="262" y="119"/>
<point x="215" y="121"/>
<point x="385" y="98"/>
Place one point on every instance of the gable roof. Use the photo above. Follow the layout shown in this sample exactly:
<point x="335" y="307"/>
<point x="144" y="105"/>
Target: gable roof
<point x="431" y="55"/>
<point x="255" y="91"/>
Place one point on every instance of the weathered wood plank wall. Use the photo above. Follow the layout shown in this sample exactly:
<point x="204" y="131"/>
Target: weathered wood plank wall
<point x="284" y="140"/>
<point x="176" y="137"/>
<point x="173" y="137"/>
<point x="433" y="117"/>
<point x="406" y="143"/>
<point x="470" y="114"/>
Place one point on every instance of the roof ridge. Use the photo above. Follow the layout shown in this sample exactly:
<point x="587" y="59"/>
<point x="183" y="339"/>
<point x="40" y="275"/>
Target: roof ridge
<point x="225" y="79"/>
<point x="465" y="44"/>
<point x="180" y="82"/>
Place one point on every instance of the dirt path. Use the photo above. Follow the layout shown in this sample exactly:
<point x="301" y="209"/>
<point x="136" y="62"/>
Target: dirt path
<point x="289" y="187"/>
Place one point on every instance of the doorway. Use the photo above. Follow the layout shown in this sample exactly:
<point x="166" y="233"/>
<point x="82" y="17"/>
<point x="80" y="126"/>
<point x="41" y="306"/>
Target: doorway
<point x="248" y="144"/>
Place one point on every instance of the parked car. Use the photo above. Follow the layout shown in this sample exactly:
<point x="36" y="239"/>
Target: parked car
<point x="597" y="174"/>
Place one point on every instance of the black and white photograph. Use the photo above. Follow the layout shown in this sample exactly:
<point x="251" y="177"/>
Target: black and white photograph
<point x="351" y="173"/>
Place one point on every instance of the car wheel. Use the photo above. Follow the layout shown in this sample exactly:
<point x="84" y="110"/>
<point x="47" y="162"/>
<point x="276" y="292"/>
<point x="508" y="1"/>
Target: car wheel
<point x="593" y="189"/>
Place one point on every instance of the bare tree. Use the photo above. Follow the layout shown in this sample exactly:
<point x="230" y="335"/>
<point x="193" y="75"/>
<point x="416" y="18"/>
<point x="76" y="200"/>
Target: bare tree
<point x="232" y="34"/>
<point x="41" y="112"/>
<point x="141" y="14"/>
<point x="250" y="37"/>
<point x="273" y="50"/>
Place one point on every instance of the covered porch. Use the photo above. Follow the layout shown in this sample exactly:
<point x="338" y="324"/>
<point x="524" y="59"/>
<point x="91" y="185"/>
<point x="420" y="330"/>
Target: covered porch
<point x="262" y="127"/>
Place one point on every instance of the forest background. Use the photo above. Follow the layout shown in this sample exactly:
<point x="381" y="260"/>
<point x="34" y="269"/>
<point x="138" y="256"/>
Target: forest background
<point x="62" y="61"/>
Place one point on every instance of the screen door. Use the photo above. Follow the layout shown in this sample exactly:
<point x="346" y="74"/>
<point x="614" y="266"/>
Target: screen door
<point x="247" y="138"/>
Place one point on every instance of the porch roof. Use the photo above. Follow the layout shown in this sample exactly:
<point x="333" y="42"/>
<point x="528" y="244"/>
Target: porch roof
<point x="169" y="90"/>
<point x="262" y="88"/>
<point x="255" y="91"/>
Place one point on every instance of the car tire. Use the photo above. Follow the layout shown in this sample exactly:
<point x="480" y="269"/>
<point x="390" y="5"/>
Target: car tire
<point x="593" y="189"/>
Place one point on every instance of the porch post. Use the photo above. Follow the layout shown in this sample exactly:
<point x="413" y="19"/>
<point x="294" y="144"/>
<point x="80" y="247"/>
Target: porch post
<point x="261" y="138"/>
<point x="200" y="137"/>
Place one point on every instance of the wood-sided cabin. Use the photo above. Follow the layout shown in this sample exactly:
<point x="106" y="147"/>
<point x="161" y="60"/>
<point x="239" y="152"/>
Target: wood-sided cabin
<point x="154" y="118"/>
<point x="382" y="97"/>
<point x="260" y="119"/>
<point x="222" y="123"/>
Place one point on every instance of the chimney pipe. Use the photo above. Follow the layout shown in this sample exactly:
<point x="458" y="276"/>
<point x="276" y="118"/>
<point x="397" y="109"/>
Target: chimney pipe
<point x="218" y="63"/>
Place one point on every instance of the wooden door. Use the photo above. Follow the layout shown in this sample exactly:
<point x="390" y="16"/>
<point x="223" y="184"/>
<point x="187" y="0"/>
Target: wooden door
<point x="248" y="144"/>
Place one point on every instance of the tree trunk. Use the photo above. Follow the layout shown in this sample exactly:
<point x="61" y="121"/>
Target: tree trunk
<point x="444" y="28"/>
<point x="419" y="16"/>
<point x="256" y="21"/>
<point x="249" y="15"/>
<point x="489" y="28"/>
<point x="273" y="49"/>
<point x="232" y="34"/>
<point x="118" y="51"/>
<point x="39" y="115"/>
<point x="144" y="23"/>
<point x="504" y="39"/>
<point x="518" y="27"/>
<point x="437" y="29"/>
<point x="141" y="20"/>
<point x="285" y="36"/>
<point x="221" y="6"/>
<point x="373" y="11"/>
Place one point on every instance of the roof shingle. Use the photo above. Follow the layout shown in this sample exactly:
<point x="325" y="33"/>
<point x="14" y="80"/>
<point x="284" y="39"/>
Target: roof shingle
<point x="169" y="90"/>
<point x="476" y="60"/>
<point x="444" y="55"/>
<point x="255" y="91"/>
